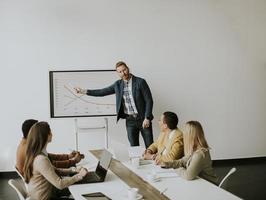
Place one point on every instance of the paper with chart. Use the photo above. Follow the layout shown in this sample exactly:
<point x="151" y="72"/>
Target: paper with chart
<point x="65" y="102"/>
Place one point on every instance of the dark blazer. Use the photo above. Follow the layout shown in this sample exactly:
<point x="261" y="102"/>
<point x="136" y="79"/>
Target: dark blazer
<point x="141" y="94"/>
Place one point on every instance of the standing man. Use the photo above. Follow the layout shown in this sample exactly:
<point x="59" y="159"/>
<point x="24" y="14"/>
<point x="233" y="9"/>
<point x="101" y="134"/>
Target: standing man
<point x="133" y="103"/>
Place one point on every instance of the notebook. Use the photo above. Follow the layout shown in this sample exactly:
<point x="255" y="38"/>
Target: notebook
<point x="101" y="170"/>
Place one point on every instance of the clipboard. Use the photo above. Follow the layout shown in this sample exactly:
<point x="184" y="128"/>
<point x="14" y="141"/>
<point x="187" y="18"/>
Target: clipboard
<point x="96" y="196"/>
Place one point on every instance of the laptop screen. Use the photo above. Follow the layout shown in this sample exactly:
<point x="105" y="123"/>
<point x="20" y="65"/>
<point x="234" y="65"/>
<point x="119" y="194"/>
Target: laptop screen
<point x="105" y="159"/>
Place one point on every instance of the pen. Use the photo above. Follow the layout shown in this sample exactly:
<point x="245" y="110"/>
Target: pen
<point x="162" y="192"/>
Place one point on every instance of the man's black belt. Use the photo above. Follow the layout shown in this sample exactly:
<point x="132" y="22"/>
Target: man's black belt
<point x="132" y="116"/>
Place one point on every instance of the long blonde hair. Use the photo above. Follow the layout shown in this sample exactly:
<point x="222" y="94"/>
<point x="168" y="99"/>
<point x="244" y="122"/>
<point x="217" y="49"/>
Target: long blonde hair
<point x="193" y="137"/>
<point x="36" y="141"/>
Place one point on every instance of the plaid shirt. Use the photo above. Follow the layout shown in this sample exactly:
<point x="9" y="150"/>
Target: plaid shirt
<point x="129" y="104"/>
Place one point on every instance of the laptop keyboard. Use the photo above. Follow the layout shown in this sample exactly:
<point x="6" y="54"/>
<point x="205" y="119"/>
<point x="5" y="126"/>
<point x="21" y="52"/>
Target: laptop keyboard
<point x="91" y="176"/>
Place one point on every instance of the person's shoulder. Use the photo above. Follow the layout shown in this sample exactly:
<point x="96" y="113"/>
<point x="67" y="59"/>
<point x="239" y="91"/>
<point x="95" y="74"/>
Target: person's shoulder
<point x="137" y="78"/>
<point x="178" y="132"/>
<point x="118" y="82"/>
<point x="23" y="141"/>
<point x="41" y="163"/>
<point x="178" y="138"/>
<point x="22" y="144"/>
<point x="201" y="152"/>
<point x="41" y="158"/>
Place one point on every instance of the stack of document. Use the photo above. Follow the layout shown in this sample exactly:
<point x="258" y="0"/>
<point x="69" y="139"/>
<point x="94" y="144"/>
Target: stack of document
<point x="145" y="162"/>
<point x="164" y="172"/>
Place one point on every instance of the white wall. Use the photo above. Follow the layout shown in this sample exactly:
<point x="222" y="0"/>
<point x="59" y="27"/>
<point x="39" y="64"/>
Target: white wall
<point x="205" y="60"/>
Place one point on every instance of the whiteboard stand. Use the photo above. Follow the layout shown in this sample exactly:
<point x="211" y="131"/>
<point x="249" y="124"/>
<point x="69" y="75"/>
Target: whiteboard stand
<point x="87" y="129"/>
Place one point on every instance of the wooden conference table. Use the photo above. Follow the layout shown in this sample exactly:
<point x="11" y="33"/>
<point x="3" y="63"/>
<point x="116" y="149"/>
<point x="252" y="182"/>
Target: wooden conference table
<point x="122" y="176"/>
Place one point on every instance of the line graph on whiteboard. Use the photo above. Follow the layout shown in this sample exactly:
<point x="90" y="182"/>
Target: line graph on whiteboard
<point x="67" y="103"/>
<point x="79" y="97"/>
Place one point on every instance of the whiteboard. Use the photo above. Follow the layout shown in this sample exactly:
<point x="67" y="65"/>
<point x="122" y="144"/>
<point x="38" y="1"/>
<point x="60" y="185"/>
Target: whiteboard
<point x="65" y="102"/>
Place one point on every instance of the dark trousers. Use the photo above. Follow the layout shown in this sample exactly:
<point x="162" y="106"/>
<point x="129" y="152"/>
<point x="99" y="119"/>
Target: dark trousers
<point x="134" y="126"/>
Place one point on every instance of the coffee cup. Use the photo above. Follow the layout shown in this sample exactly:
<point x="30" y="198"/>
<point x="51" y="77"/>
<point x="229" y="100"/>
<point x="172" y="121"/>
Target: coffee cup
<point x="132" y="193"/>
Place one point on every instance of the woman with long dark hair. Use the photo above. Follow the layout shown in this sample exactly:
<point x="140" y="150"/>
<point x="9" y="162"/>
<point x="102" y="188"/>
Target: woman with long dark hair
<point x="41" y="176"/>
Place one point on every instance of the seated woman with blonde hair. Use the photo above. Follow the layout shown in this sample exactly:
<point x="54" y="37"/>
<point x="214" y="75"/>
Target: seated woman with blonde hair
<point x="42" y="177"/>
<point x="197" y="160"/>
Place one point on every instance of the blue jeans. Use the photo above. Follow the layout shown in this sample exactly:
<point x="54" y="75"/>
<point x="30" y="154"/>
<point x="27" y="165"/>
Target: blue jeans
<point x="134" y="126"/>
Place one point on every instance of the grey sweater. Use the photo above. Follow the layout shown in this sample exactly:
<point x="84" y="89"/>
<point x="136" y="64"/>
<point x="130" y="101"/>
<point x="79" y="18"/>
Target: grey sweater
<point x="45" y="180"/>
<point x="198" y="164"/>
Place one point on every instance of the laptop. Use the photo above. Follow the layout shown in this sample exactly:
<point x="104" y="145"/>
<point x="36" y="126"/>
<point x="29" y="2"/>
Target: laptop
<point x="101" y="170"/>
<point x="96" y="196"/>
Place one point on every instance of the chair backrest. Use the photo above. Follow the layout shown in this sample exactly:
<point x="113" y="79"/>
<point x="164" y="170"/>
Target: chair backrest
<point x="19" y="173"/>
<point x="26" y="185"/>
<point x="223" y="183"/>
<point x="19" y="186"/>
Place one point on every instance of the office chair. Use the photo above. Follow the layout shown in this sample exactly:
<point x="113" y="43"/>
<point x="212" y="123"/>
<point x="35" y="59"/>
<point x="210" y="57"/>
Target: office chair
<point x="26" y="185"/>
<point x="16" y="169"/>
<point x="223" y="183"/>
<point x="19" y="186"/>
